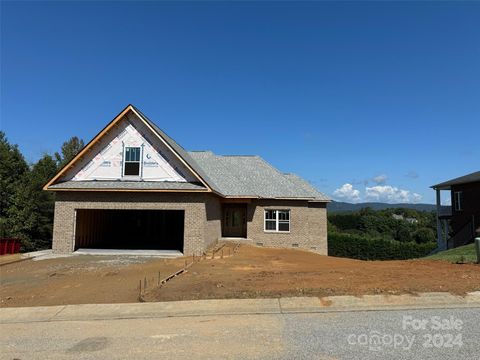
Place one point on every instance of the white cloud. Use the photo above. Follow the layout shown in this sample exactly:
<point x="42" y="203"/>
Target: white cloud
<point x="380" y="179"/>
<point x="391" y="194"/>
<point x="347" y="193"/>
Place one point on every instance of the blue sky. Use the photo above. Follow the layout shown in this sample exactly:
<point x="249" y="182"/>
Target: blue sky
<point x="368" y="101"/>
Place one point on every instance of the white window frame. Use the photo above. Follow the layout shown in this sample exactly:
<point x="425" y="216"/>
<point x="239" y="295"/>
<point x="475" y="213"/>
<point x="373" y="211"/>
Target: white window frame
<point x="457" y="200"/>
<point x="277" y="220"/>
<point x="139" y="161"/>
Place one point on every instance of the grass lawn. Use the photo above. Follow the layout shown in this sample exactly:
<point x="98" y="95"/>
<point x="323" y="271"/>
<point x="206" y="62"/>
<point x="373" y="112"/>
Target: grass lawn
<point x="462" y="254"/>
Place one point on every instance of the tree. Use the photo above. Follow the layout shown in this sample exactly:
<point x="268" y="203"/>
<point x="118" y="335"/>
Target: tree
<point x="26" y="211"/>
<point x="69" y="150"/>
<point x="12" y="169"/>
<point x="30" y="217"/>
<point x="424" y="235"/>
<point x="403" y="233"/>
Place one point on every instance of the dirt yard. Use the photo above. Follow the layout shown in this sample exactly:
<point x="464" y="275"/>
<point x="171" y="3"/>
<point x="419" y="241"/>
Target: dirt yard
<point x="262" y="272"/>
<point x="250" y="272"/>
<point x="80" y="279"/>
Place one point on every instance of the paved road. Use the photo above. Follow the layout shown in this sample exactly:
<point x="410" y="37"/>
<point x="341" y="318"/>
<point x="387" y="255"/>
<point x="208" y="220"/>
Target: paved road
<point x="399" y="334"/>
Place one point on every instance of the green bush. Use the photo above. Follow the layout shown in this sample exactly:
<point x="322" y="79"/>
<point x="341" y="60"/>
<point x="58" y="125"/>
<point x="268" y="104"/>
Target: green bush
<point x="385" y="224"/>
<point x="363" y="248"/>
<point x="424" y="235"/>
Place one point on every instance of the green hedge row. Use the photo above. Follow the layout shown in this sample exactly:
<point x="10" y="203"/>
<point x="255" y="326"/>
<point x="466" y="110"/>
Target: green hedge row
<point x="359" y="247"/>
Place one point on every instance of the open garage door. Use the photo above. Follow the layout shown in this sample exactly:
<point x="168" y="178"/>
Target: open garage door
<point x="129" y="229"/>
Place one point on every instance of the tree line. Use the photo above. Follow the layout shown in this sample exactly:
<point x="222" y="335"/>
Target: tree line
<point x="398" y="224"/>
<point x="381" y="235"/>
<point x="26" y="211"/>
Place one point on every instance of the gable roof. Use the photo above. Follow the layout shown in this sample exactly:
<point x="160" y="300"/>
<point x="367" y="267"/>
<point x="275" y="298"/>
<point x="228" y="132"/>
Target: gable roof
<point x="251" y="176"/>
<point x="473" y="177"/>
<point x="228" y="176"/>
<point x="176" y="149"/>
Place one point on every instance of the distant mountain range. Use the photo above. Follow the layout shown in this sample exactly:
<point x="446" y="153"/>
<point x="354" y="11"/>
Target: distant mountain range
<point x="337" y="206"/>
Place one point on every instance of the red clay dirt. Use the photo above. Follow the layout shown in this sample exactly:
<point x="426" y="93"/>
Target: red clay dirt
<point x="250" y="272"/>
<point x="263" y="272"/>
<point x="80" y="279"/>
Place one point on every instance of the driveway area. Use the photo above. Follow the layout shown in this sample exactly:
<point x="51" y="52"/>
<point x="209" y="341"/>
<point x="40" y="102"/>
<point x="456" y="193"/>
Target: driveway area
<point x="249" y="272"/>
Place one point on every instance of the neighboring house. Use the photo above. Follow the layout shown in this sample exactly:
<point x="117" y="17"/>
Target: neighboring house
<point x="463" y="215"/>
<point x="133" y="187"/>
<point x="407" y="219"/>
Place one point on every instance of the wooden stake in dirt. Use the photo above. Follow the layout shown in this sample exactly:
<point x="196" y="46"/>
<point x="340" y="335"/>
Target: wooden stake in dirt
<point x="185" y="263"/>
<point x="158" y="282"/>
<point x="222" y="254"/>
<point x="140" y="289"/>
<point x="144" y="283"/>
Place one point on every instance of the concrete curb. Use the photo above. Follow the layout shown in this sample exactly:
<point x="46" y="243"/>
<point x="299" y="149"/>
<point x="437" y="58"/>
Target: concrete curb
<point x="238" y="307"/>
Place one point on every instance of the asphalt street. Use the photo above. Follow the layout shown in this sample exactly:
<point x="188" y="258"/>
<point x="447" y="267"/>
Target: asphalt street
<point x="396" y="334"/>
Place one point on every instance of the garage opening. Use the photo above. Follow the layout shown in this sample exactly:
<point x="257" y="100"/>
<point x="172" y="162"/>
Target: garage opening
<point x="129" y="229"/>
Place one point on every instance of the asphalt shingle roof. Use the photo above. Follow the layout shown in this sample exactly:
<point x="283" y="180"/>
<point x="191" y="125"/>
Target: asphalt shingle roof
<point x="229" y="176"/>
<point x="251" y="176"/>
<point x="473" y="177"/>
<point x="128" y="185"/>
<point x="241" y="175"/>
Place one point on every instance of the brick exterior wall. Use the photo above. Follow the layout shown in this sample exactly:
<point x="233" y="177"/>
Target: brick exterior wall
<point x="213" y="224"/>
<point x="203" y="218"/>
<point x="202" y="214"/>
<point x="308" y="225"/>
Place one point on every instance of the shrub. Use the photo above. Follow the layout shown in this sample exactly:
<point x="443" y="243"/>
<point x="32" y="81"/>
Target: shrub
<point x="424" y="235"/>
<point x="359" y="247"/>
<point x="403" y="234"/>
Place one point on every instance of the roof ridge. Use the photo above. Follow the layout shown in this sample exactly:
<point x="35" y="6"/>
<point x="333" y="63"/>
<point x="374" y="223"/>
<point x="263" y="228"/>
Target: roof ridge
<point x="163" y="133"/>
<point x="181" y="152"/>
<point x="239" y="155"/>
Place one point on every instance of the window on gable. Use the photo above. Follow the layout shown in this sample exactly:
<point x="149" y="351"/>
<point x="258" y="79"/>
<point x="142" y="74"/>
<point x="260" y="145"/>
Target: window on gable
<point x="457" y="198"/>
<point x="277" y="220"/>
<point x="132" y="161"/>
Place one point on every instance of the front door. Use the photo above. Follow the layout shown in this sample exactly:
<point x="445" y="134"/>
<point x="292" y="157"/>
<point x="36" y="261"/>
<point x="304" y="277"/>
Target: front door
<point x="234" y="221"/>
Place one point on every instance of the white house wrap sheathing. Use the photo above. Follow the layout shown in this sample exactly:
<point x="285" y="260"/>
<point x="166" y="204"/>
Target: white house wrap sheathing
<point x="157" y="161"/>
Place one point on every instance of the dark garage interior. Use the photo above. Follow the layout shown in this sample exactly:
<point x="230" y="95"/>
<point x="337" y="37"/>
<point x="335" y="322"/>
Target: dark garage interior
<point x="129" y="229"/>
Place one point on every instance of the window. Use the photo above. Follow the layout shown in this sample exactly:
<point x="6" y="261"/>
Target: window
<point x="457" y="198"/>
<point x="132" y="161"/>
<point x="277" y="220"/>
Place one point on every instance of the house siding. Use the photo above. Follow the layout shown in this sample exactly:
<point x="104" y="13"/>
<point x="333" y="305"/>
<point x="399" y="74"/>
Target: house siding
<point x="308" y="225"/>
<point x="201" y="223"/>
<point x="213" y="221"/>
<point x="470" y="212"/>
<point x="203" y="218"/>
